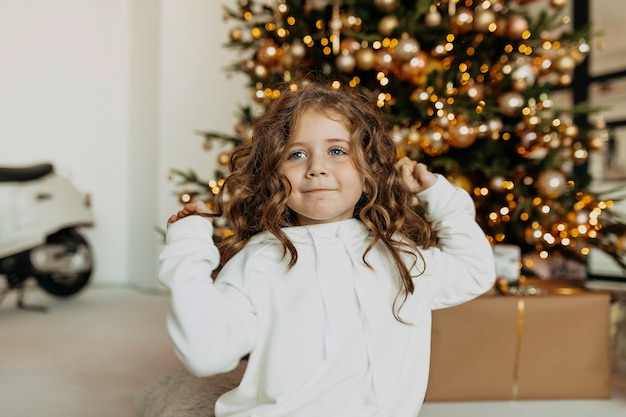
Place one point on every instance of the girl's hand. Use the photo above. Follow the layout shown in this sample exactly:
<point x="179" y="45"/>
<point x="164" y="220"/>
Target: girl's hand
<point x="414" y="176"/>
<point x="197" y="207"/>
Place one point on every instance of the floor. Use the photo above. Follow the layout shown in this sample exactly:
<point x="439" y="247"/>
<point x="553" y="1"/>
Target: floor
<point x="89" y="356"/>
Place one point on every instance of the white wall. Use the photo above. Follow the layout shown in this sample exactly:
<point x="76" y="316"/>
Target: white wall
<point x="112" y="92"/>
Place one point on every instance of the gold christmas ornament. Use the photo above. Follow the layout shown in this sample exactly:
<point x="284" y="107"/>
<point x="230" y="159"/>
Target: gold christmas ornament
<point x="224" y="158"/>
<point x="388" y="24"/>
<point x="565" y="79"/>
<point x="516" y="25"/>
<point x="551" y="183"/>
<point x="497" y="183"/>
<point x="235" y="35"/>
<point x="386" y="5"/>
<point x="484" y="20"/>
<point x="414" y="69"/>
<point x="297" y="50"/>
<point x="269" y="53"/>
<point x="565" y="64"/>
<point x="557" y="4"/>
<point x="462" y="21"/>
<point x="510" y="102"/>
<point x="346" y="62"/>
<point x="433" y="17"/>
<point x="365" y="59"/>
<point x="433" y="142"/>
<point x="407" y="48"/>
<point x="461" y="134"/>
<point x="384" y="60"/>
<point x="261" y="71"/>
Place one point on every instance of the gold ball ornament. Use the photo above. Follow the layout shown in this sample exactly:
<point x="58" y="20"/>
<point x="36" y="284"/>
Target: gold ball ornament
<point x="570" y="131"/>
<point x="365" y="59"/>
<point x="414" y="69"/>
<point x="565" y="64"/>
<point x="235" y="35"/>
<point x="484" y="20"/>
<point x="565" y="79"/>
<point x="407" y="48"/>
<point x="462" y="21"/>
<point x="433" y="141"/>
<point x="386" y="5"/>
<point x="497" y="183"/>
<point x="261" y="71"/>
<point x="346" y="62"/>
<point x="432" y="18"/>
<point x="461" y="134"/>
<point x="551" y="183"/>
<point x="557" y="4"/>
<point x="510" y="102"/>
<point x="388" y="24"/>
<point x="297" y="50"/>
<point x="516" y="25"/>
<point x="269" y="53"/>
<point x="224" y="158"/>
<point x="384" y="60"/>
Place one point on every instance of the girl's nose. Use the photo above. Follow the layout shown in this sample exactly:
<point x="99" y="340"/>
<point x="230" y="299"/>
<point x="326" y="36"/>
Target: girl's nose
<point x="316" y="167"/>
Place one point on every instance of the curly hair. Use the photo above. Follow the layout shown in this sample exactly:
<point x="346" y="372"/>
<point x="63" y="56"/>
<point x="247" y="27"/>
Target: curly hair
<point x="258" y="192"/>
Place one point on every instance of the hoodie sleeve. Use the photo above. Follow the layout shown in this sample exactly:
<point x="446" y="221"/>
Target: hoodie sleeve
<point x="211" y="327"/>
<point x="461" y="266"/>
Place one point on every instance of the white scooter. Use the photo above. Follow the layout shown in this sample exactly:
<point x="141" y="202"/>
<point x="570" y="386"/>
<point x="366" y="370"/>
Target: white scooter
<point x="40" y="213"/>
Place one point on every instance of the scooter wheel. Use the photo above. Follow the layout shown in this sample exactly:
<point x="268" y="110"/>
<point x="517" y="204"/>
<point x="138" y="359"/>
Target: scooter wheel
<point x="65" y="283"/>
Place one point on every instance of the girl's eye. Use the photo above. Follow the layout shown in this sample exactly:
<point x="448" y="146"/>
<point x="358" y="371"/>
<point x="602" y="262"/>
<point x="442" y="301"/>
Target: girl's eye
<point x="337" y="152"/>
<point x="297" y="155"/>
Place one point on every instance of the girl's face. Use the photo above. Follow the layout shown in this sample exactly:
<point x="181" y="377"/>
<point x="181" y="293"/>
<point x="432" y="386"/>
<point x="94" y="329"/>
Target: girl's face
<point x="326" y="184"/>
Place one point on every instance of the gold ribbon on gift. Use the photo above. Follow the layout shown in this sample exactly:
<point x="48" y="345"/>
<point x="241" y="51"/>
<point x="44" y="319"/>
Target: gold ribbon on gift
<point x="556" y="288"/>
<point x="521" y="306"/>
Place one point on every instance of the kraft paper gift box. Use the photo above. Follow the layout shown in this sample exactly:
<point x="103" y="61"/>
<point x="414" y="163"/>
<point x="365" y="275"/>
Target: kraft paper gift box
<point x="503" y="347"/>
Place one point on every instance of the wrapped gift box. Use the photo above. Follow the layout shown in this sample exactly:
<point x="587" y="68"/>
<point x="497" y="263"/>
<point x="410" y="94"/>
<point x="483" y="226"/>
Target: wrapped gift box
<point x="503" y="347"/>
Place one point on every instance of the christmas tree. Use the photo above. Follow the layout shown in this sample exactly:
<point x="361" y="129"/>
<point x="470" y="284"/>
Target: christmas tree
<point x="470" y="87"/>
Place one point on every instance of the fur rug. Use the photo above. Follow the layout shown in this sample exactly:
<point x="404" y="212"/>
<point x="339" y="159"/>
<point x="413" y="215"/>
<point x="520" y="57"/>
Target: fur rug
<point x="181" y="394"/>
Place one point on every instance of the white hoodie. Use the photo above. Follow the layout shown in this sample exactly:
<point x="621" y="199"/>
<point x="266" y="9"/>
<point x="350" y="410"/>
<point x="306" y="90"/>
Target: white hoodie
<point x="322" y="338"/>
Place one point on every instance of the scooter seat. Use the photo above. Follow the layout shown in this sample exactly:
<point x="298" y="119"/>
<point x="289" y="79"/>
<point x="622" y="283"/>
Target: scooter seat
<point x="27" y="173"/>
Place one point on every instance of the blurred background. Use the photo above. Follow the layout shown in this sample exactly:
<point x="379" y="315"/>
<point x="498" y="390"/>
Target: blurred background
<point x="112" y="92"/>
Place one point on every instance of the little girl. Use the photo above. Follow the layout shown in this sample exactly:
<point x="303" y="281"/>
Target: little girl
<point x="328" y="282"/>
